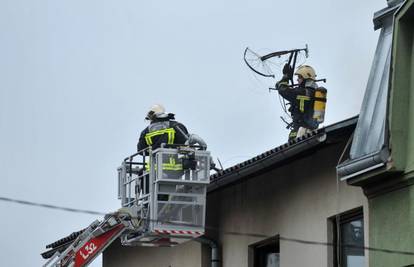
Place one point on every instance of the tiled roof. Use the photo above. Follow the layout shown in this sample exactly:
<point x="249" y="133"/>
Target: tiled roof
<point x="281" y="150"/>
<point x="263" y="155"/>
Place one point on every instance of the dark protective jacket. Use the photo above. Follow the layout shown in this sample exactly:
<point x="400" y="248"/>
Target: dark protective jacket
<point x="301" y="99"/>
<point x="162" y="130"/>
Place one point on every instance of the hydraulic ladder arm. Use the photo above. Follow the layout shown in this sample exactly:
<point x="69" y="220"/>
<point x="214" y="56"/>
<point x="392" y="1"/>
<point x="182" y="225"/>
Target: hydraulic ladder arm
<point x="163" y="200"/>
<point x="95" y="239"/>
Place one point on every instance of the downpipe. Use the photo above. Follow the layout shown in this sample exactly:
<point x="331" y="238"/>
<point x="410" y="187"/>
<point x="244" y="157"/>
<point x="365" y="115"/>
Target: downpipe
<point x="215" y="255"/>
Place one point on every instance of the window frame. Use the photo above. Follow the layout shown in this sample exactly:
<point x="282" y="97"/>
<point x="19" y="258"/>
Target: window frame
<point x="260" y="248"/>
<point x="345" y="217"/>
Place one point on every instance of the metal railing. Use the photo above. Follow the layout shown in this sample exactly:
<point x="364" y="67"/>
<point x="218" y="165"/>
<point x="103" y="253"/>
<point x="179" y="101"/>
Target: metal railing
<point x="167" y="187"/>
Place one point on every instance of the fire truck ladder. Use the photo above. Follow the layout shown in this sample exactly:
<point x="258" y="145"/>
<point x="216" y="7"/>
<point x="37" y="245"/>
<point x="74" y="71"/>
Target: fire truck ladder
<point x="163" y="197"/>
<point x="168" y="188"/>
<point x="93" y="240"/>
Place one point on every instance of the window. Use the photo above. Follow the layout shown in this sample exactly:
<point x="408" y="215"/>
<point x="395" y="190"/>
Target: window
<point x="348" y="231"/>
<point x="264" y="253"/>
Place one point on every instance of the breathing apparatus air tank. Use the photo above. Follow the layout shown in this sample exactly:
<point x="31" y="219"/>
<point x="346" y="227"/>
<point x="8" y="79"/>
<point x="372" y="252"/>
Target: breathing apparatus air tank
<point x="319" y="105"/>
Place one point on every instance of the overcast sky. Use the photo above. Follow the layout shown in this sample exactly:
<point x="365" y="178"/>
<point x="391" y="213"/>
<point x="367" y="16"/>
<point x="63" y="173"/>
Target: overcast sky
<point x="77" y="77"/>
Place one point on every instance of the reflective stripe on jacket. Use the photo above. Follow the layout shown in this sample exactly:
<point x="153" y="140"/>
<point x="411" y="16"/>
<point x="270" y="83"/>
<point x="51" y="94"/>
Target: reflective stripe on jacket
<point x="301" y="99"/>
<point x="172" y="165"/>
<point x="162" y="131"/>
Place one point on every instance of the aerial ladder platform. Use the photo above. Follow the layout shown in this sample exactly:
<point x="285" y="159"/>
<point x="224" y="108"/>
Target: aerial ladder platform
<point x="163" y="198"/>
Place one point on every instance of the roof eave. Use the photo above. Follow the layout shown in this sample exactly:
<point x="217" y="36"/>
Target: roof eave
<point x="266" y="163"/>
<point x="263" y="163"/>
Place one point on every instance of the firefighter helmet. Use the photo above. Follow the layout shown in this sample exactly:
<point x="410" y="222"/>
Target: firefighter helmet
<point x="155" y="111"/>
<point x="306" y="71"/>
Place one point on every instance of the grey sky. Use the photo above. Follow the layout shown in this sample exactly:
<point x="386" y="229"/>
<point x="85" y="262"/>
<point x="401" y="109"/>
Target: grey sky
<point x="77" y="77"/>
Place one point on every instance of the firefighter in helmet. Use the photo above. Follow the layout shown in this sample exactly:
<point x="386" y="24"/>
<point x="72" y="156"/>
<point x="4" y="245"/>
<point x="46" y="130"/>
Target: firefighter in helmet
<point x="163" y="129"/>
<point x="301" y="97"/>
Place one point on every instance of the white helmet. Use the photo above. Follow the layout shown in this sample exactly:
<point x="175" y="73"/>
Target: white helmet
<point x="306" y="71"/>
<point x="155" y="111"/>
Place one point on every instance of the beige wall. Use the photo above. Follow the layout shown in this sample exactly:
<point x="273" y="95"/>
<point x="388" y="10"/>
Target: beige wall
<point x="294" y="201"/>
<point x="187" y="254"/>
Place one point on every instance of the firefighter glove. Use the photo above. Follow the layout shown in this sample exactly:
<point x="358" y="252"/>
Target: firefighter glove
<point x="287" y="71"/>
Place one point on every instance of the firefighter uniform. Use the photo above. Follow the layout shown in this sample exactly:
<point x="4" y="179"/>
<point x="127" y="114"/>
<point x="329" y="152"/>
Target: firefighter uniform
<point x="302" y="101"/>
<point x="162" y="131"/>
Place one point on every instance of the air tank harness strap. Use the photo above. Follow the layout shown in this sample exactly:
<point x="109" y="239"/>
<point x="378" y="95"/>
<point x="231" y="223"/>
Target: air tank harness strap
<point x="169" y="131"/>
<point x="302" y="99"/>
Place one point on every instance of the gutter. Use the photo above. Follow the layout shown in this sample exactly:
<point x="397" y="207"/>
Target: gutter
<point x="362" y="165"/>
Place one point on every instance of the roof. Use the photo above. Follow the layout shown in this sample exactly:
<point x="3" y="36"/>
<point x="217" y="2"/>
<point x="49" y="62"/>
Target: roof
<point x="370" y="142"/>
<point x="277" y="155"/>
<point x="381" y="15"/>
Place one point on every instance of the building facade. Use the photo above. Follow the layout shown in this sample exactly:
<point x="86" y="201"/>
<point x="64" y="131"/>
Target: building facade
<point x="284" y="207"/>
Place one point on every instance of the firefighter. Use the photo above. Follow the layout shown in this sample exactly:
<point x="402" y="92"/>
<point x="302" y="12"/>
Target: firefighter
<point x="163" y="129"/>
<point x="301" y="99"/>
